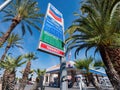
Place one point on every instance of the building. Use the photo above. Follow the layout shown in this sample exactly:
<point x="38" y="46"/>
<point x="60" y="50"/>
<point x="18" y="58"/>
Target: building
<point x="52" y="76"/>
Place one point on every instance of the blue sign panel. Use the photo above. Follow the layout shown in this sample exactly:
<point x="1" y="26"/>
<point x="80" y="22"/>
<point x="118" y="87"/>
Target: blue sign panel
<point x="54" y="28"/>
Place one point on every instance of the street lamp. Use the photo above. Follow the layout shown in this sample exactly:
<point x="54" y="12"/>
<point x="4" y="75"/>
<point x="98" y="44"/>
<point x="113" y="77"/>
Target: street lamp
<point x="4" y="4"/>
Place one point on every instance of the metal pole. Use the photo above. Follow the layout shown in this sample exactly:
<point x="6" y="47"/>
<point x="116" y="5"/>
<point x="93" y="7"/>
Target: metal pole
<point x="4" y="4"/>
<point x="63" y="74"/>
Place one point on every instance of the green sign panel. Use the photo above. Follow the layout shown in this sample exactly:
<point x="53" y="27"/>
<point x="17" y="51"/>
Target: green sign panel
<point x="52" y="40"/>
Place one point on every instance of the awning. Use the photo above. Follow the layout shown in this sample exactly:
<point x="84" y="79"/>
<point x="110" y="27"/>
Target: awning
<point x="100" y="71"/>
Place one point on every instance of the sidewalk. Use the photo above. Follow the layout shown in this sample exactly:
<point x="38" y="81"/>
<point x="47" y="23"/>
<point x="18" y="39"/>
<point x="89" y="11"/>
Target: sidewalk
<point x="51" y="88"/>
<point x="29" y="87"/>
<point x="87" y="88"/>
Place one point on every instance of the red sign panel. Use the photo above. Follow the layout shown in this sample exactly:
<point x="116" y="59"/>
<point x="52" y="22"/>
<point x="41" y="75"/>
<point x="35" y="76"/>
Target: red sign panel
<point x="50" y="49"/>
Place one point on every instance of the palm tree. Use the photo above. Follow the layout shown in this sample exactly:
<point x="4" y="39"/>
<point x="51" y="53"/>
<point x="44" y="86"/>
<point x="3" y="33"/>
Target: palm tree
<point x="10" y="64"/>
<point x="29" y="57"/>
<point x="85" y="64"/>
<point x="98" y="28"/>
<point x="39" y="73"/>
<point x="13" y="41"/>
<point x="31" y="72"/>
<point x="24" y="12"/>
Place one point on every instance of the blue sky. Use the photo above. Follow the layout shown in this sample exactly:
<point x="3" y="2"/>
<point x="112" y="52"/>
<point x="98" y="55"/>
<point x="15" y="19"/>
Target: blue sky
<point x="31" y="42"/>
<point x="67" y="8"/>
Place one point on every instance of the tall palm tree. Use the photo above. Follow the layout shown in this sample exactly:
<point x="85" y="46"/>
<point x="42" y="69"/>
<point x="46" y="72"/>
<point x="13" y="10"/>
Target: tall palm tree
<point x="39" y="73"/>
<point x="98" y="27"/>
<point x="24" y="12"/>
<point x="10" y="64"/>
<point x="85" y="64"/>
<point x="31" y="73"/>
<point x="13" y="41"/>
<point x="29" y="57"/>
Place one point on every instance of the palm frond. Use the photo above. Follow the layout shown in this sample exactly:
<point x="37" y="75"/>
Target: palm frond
<point x="23" y="28"/>
<point x="99" y="63"/>
<point x="27" y="13"/>
<point x="83" y="64"/>
<point x="98" y="25"/>
<point x="6" y="19"/>
<point x="30" y="56"/>
<point x="32" y="24"/>
<point x="11" y="63"/>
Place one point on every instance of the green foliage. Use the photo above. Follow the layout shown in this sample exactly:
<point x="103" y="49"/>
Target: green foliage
<point x="40" y="72"/>
<point x="30" y="56"/>
<point x="27" y="11"/>
<point x="98" y="25"/>
<point x="84" y="64"/>
<point x="99" y="63"/>
<point x="11" y="63"/>
<point x="14" y="41"/>
<point x="31" y="71"/>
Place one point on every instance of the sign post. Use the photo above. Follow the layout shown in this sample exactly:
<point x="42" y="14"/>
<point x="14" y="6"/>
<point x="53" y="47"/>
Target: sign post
<point x="52" y="39"/>
<point x="63" y="74"/>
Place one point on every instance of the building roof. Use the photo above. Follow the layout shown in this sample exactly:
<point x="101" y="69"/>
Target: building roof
<point x="70" y="66"/>
<point x="55" y="68"/>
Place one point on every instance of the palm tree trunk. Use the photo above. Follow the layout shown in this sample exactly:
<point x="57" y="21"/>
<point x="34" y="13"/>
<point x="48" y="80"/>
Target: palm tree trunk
<point x="73" y="73"/>
<point x="97" y="78"/>
<point x="8" y="80"/>
<point x="15" y="22"/>
<point x="112" y="74"/>
<point x="5" y="80"/>
<point x="88" y="77"/>
<point x="25" y="76"/>
<point x="6" y="50"/>
<point x="86" y="80"/>
<point x="94" y="82"/>
<point x="11" y="80"/>
<point x="114" y="54"/>
<point x="37" y="84"/>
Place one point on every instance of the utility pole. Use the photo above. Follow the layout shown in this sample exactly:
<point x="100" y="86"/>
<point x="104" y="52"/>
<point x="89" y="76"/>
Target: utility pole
<point x="5" y="4"/>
